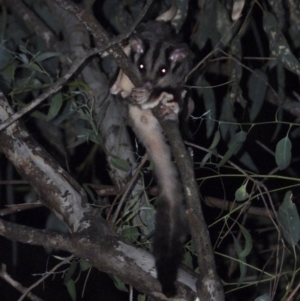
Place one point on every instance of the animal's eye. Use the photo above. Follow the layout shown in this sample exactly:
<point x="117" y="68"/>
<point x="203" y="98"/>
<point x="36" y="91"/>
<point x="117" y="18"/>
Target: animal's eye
<point x="163" y="71"/>
<point x="142" y="67"/>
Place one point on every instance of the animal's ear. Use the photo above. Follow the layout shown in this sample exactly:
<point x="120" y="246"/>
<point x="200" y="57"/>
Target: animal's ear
<point x="136" y="44"/>
<point x="179" y="53"/>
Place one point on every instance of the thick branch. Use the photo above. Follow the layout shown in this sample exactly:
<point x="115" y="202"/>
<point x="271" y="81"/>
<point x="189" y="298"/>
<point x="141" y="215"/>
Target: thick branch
<point x="57" y="189"/>
<point x="107" y="252"/>
<point x="209" y="284"/>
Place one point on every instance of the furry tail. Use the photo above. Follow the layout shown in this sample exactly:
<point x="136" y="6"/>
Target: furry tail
<point x="168" y="241"/>
<point x="170" y="228"/>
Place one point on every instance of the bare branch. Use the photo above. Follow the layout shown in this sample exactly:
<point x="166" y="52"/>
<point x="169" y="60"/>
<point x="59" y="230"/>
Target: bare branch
<point x="18" y="208"/>
<point x="106" y="252"/>
<point x="18" y="286"/>
<point x="27" y="291"/>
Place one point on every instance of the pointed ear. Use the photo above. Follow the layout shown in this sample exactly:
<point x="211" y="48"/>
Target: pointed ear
<point x="136" y="44"/>
<point x="179" y="53"/>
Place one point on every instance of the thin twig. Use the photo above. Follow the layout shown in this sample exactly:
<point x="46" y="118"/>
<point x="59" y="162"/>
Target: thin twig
<point x="129" y="187"/>
<point x="18" y="286"/>
<point x="19" y="207"/>
<point x="45" y="276"/>
<point x="53" y="89"/>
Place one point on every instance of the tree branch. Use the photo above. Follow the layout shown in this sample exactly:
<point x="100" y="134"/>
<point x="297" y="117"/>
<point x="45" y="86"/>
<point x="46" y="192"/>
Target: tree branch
<point x="209" y="285"/>
<point x="57" y="189"/>
<point x="105" y="251"/>
<point x="18" y="286"/>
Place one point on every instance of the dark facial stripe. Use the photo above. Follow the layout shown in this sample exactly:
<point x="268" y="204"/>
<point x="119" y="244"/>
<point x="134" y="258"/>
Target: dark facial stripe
<point x="156" y="53"/>
<point x="176" y="67"/>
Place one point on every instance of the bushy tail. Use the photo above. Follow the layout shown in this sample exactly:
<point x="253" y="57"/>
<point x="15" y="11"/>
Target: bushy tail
<point x="170" y="228"/>
<point x="170" y="222"/>
<point x="168" y="241"/>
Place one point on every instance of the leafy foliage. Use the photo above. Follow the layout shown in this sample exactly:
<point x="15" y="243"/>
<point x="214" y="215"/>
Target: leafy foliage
<point x="245" y="146"/>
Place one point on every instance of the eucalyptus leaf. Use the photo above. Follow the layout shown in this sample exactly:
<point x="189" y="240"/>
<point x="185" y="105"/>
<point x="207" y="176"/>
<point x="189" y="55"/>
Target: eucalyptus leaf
<point x="130" y="233"/>
<point x="289" y="219"/>
<point x="241" y="193"/>
<point x="71" y="288"/>
<point x="33" y="67"/>
<point x="257" y="85"/>
<point x="205" y="159"/>
<point x="264" y="297"/>
<point x="188" y="260"/>
<point x="246" y="159"/>
<point x="248" y="241"/>
<point x="216" y="140"/>
<point x="141" y="297"/>
<point x="71" y="271"/>
<point x="237" y="142"/>
<point x="120" y="163"/>
<point x="278" y="44"/>
<point x="227" y="130"/>
<point x="55" y="105"/>
<point x="46" y="55"/>
<point x="243" y="268"/>
<point x="10" y="69"/>
<point x="283" y="153"/>
<point x="120" y="285"/>
<point x="84" y="265"/>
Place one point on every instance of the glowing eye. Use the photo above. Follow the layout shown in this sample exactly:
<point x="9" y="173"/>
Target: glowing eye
<point x="163" y="71"/>
<point x="141" y="67"/>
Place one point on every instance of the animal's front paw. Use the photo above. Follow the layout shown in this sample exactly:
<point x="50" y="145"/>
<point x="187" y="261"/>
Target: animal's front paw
<point x="140" y="96"/>
<point x="170" y="107"/>
<point x="166" y="98"/>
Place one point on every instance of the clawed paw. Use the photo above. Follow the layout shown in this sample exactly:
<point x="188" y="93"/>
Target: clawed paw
<point x="140" y="95"/>
<point x="166" y="98"/>
<point x="170" y="110"/>
<point x="170" y="107"/>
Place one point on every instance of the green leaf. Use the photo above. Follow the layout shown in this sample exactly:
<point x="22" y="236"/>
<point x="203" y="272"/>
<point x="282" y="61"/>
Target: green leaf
<point x="33" y="67"/>
<point x="120" y="163"/>
<point x="188" y="260"/>
<point x="289" y="219"/>
<point x="278" y="44"/>
<point x="10" y="69"/>
<point x="246" y="159"/>
<point x="227" y="130"/>
<point x="257" y="86"/>
<point x="84" y="265"/>
<point x="283" y="153"/>
<point x="141" y="297"/>
<point x="130" y="233"/>
<point x="216" y="140"/>
<point x="120" y="285"/>
<point x="264" y="297"/>
<point x="71" y="271"/>
<point x="248" y="242"/>
<point x="55" y="105"/>
<point x="243" y="268"/>
<point x="46" y="55"/>
<point x="238" y="140"/>
<point x="241" y="194"/>
<point x="71" y="289"/>
<point x="205" y="159"/>
<point x="147" y="216"/>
